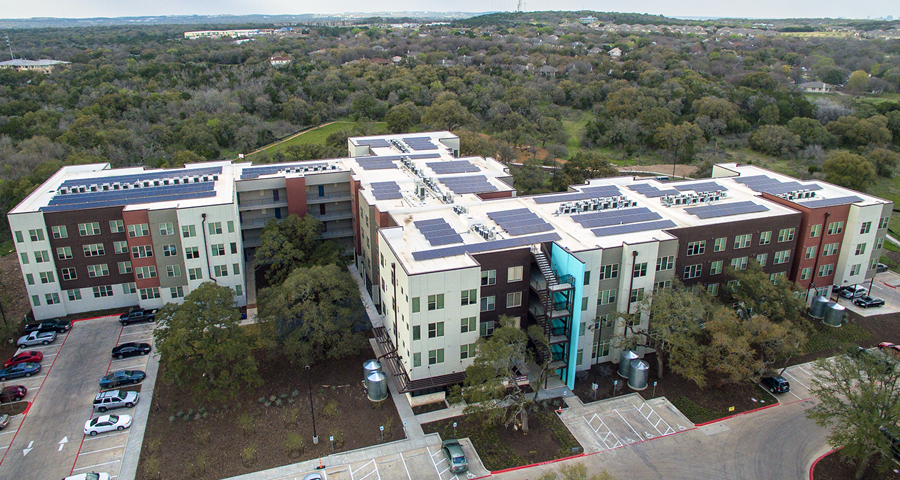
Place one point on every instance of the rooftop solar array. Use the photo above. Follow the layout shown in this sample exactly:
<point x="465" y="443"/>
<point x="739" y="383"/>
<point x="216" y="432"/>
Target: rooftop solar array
<point x="587" y="192"/>
<point x="725" y="210"/>
<point x="420" y="143"/>
<point x="412" y="156"/>
<point x="485" y="246"/>
<point x="374" y="143"/>
<point x="114" y="198"/>
<point x="766" y="184"/>
<point x="454" y="166"/>
<point x="828" y="202"/>
<point x="255" y="172"/>
<point x="438" y="232"/>
<point x="376" y="163"/>
<point x="616" y="217"/>
<point x="520" y="221"/>
<point x="633" y="227"/>
<point x="468" y="184"/>
<point x="699" y="187"/>
<point x="650" y="191"/>
<point x="143" y="177"/>
<point x="386" y="190"/>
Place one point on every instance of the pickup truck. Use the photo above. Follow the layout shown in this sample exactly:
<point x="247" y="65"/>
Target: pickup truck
<point x="52" y="325"/>
<point x="138" y="315"/>
<point x="36" y="338"/>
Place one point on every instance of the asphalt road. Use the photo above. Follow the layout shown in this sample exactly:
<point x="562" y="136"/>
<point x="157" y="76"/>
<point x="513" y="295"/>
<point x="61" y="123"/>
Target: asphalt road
<point x="63" y="404"/>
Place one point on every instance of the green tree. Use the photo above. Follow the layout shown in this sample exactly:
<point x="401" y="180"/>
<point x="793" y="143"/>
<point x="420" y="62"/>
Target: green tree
<point x="884" y="160"/>
<point x="720" y="109"/>
<point x="858" y="394"/>
<point x="775" y="140"/>
<point x="681" y="139"/>
<point x="202" y="347"/>
<point x="311" y="314"/>
<point x="582" y="166"/>
<point x="756" y="294"/>
<point x="858" y="81"/>
<point x="403" y="118"/>
<point x="849" y="170"/>
<point x="293" y="242"/>
<point x="862" y="132"/>
<point x="811" y="132"/>
<point x="447" y="114"/>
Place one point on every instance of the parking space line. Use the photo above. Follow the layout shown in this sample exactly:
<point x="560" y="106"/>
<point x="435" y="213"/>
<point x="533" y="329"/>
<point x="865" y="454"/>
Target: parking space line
<point x="627" y="423"/>
<point x="405" y="467"/>
<point x="130" y="367"/>
<point x="365" y="465"/>
<point x="795" y="378"/>
<point x="439" y="473"/>
<point x="97" y="465"/>
<point x="603" y="437"/>
<point x="102" y="450"/>
<point x="98" y="437"/>
<point x="669" y="429"/>
<point x="7" y="433"/>
<point x="804" y="370"/>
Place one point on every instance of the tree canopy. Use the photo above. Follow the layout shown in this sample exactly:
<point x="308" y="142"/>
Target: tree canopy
<point x="293" y="242"/>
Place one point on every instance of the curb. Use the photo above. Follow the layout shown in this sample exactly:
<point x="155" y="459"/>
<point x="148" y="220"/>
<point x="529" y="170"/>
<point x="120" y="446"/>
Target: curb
<point x="94" y="318"/>
<point x="737" y="415"/>
<point x="548" y="462"/>
<point x="813" y="466"/>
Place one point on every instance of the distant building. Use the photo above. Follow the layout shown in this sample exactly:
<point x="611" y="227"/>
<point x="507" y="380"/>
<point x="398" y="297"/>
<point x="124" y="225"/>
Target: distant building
<point x="43" y="65"/>
<point x="279" y="61"/>
<point x="816" y="87"/>
<point x="615" y="52"/>
<point x="228" y="33"/>
<point x="587" y="20"/>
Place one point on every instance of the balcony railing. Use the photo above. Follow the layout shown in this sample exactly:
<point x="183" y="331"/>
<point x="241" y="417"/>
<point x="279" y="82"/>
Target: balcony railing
<point x="334" y="215"/>
<point x="261" y="203"/>
<point x="331" y="197"/>
<point x="343" y="232"/>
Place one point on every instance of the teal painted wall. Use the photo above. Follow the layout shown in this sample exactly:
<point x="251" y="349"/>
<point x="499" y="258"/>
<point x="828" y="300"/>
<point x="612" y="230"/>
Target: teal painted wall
<point x="564" y="263"/>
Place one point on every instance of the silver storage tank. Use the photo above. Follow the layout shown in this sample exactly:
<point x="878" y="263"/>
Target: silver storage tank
<point x="640" y="372"/>
<point x="377" y="385"/>
<point x="625" y="362"/>
<point x="817" y="309"/>
<point x="370" y="366"/>
<point x="834" y="315"/>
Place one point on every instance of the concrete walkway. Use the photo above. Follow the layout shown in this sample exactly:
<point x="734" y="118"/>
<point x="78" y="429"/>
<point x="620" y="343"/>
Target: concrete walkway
<point x="132" y="454"/>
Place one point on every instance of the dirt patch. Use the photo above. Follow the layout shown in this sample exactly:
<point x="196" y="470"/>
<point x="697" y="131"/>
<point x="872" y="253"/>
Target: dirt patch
<point x="268" y="426"/>
<point x="14" y="408"/>
<point x="833" y="467"/>
<point x="680" y="170"/>
<point x="430" y="407"/>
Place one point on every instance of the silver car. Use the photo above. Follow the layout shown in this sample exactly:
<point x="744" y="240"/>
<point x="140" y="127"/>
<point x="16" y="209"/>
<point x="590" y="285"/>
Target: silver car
<point x="36" y="338"/>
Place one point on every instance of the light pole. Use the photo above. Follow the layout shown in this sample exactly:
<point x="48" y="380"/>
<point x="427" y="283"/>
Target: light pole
<point x="674" y="162"/>
<point x="311" y="412"/>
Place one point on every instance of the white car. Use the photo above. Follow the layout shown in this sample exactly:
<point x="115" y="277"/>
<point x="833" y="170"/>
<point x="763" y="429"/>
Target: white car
<point x="89" y="476"/>
<point x="36" y="338"/>
<point x="854" y="291"/>
<point x="106" y="423"/>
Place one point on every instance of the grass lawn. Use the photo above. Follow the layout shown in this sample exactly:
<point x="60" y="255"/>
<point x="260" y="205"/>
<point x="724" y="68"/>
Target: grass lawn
<point x="575" y="129"/>
<point x="314" y="135"/>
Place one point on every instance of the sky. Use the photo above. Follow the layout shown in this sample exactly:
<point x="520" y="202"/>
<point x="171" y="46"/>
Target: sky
<point x="669" y="8"/>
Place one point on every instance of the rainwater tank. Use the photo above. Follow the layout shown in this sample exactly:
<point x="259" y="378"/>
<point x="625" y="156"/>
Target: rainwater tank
<point x="834" y="315"/>
<point x="817" y="309"/>
<point x="376" y="382"/>
<point x="637" y="377"/>
<point x="370" y="366"/>
<point x="625" y="362"/>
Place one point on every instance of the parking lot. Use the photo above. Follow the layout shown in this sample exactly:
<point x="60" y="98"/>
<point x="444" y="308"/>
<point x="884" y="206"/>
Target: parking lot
<point x="48" y="441"/>
<point x="800" y="378"/>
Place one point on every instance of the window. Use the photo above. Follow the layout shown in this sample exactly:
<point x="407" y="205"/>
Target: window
<point x="865" y="228"/>
<point x="854" y="270"/>
<point x="879" y="243"/>
<point x="830" y="249"/>
<point x="36" y="300"/>
<point x="806" y="273"/>
<point x="774" y="276"/>
<point x="120" y="247"/>
<point x="116" y="226"/>
<point x="712" y="289"/>
<point x="514" y="274"/>
<point x="417" y="332"/>
<point x="166" y="228"/>
<point x="436" y="356"/>
<point x="125" y="267"/>
<point x="63" y="253"/>
<point x="587" y="278"/>
<point x="74" y="294"/>
<point x="719" y="244"/>
<point x="765" y="238"/>
<point x="59" y="231"/>
<point x="785" y="235"/>
<point x="29" y="278"/>
<point x="233" y="247"/>
<point x="467" y="325"/>
<point x="103" y="291"/>
<point x="835" y="227"/>
<point x="176" y="292"/>
<point x="195" y="274"/>
<point x="636" y="295"/>
<point x="188" y="231"/>
<point x="609" y="271"/>
<point x="696" y="248"/>
<point x="584" y="303"/>
<point x="230" y="226"/>
<point x="218" y="249"/>
<point x="19" y="236"/>
<point x="466" y="351"/>
<point x="435" y="302"/>
<point x="883" y="223"/>
<point x="606" y="297"/>
<point x="47" y="277"/>
<point x="487" y="303"/>
<point x="98" y="270"/>
<point x="415" y="305"/>
<point x="436" y="330"/>
<point x="665" y="263"/>
<point x="191" y="253"/>
<point x="149" y="293"/>
<point x="486" y="328"/>
<point x="24" y="257"/>
<point x="488" y="277"/>
<point x="468" y="297"/>
<point x="236" y="268"/>
<point x="138" y="230"/>
<point x="743" y="241"/>
<point x="810" y="252"/>
<point x="145" y="272"/>
<point x="417" y="359"/>
<point x="781" y="257"/>
<point x="173" y="271"/>
<point x="220" y="270"/>
<point x="513" y="299"/>
<point x="693" y="271"/>
<point x="129" y="288"/>
<point x="715" y="268"/>
<point x="52" y="298"/>
<point x="170" y="250"/>
<point x="41" y="256"/>
<point x="93" y="250"/>
<point x="662" y="285"/>
<point x="639" y="270"/>
<point x="860" y="248"/>
<point x="601" y="349"/>
<point x="214" y="228"/>
<point x="238" y="290"/>
<point x="38" y="235"/>
<point x="826" y="270"/>
<point x="815" y="230"/>
<point x="68" y="273"/>
<point x="739" y="263"/>
<point x="142" y="251"/>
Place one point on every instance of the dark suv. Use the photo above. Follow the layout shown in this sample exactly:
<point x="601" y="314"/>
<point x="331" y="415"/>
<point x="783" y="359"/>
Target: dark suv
<point x="776" y="384"/>
<point x="52" y="325"/>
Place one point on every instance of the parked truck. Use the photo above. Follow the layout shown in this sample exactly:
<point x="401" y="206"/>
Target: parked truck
<point x="138" y="315"/>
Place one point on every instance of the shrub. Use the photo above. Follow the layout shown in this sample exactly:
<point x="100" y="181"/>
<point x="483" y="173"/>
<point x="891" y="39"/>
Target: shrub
<point x="151" y="467"/>
<point x="293" y="443"/>
<point x="283" y="396"/>
<point x="261" y="399"/>
<point x="202" y="436"/>
<point x="278" y="402"/>
<point x="248" y="455"/>
<point x="332" y="409"/>
<point x="295" y="393"/>
<point x="153" y="444"/>
<point x="245" y="422"/>
<point x="292" y="416"/>
<point x="272" y="398"/>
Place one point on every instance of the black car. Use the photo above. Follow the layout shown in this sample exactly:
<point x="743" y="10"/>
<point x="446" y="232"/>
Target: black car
<point x="52" y="325"/>
<point x="131" y="349"/>
<point x="867" y="301"/>
<point x="776" y="384"/>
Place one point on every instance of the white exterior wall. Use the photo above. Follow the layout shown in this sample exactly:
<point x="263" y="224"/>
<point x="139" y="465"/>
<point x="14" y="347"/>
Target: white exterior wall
<point x="24" y="222"/>
<point x="852" y="237"/>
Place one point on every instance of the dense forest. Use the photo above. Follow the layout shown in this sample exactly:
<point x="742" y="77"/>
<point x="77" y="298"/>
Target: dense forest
<point x="526" y="88"/>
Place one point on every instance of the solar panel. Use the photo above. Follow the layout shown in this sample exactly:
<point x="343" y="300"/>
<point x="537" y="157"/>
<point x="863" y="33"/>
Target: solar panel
<point x="828" y="202"/>
<point x="616" y="217"/>
<point x="484" y="246"/>
<point x="699" y="187"/>
<point x="602" y="191"/>
<point x="753" y="179"/>
<point x="590" y="192"/>
<point x="80" y="201"/>
<point x="385" y="190"/>
<point x="468" y="184"/>
<point x="413" y="156"/>
<point x="632" y="228"/>
<point x="520" y="221"/>
<point x="255" y="172"/>
<point x="375" y="163"/>
<point x="650" y="191"/>
<point x="455" y="166"/>
<point x="374" y="143"/>
<point x="725" y="210"/>
<point x="141" y="177"/>
<point x="438" y="232"/>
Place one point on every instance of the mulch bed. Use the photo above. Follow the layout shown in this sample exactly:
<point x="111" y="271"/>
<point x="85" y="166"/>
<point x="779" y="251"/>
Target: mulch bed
<point x="429" y="407"/>
<point x="832" y="467"/>
<point x="501" y="448"/>
<point x="187" y="439"/>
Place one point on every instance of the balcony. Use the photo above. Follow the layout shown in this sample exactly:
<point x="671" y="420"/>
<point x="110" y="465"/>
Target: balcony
<point x="331" y="197"/>
<point x="342" y="214"/>
<point x="261" y="203"/>
<point x="339" y="233"/>
<point x="255" y="223"/>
